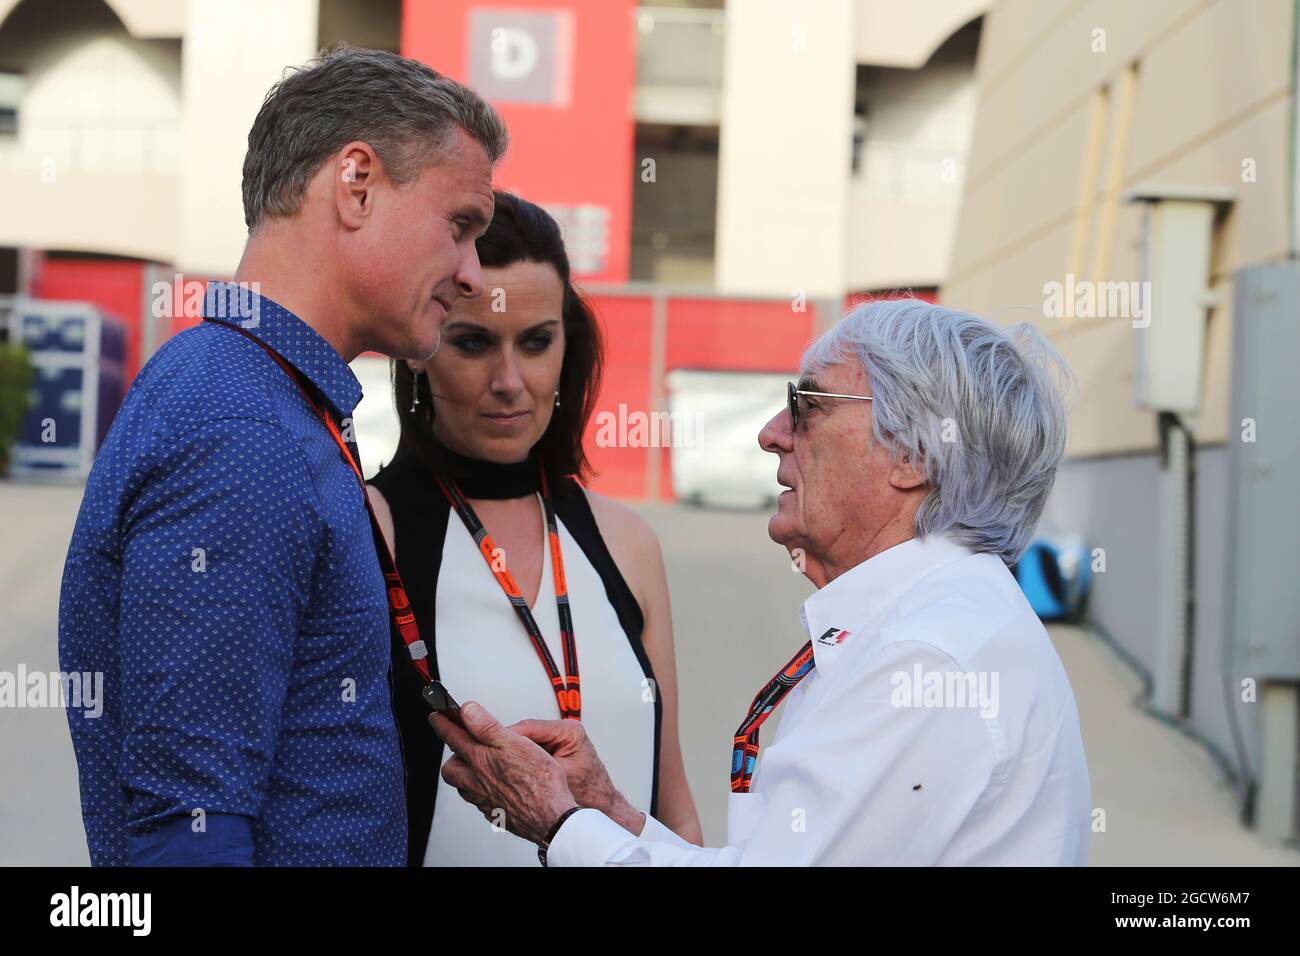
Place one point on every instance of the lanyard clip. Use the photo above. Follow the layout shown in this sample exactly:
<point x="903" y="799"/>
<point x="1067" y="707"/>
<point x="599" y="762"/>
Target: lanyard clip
<point x="440" y="701"/>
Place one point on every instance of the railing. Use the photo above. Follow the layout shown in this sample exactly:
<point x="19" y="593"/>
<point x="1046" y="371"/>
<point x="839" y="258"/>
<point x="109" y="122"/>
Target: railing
<point x="903" y="171"/>
<point x="49" y="146"/>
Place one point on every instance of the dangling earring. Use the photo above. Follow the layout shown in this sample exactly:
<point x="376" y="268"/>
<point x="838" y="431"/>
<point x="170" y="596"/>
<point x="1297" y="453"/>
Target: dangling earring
<point x="415" y="391"/>
<point x="557" y="398"/>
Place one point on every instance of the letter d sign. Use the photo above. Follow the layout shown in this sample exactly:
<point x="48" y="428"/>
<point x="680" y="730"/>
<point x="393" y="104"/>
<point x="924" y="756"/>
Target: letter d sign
<point x="514" y="53"/>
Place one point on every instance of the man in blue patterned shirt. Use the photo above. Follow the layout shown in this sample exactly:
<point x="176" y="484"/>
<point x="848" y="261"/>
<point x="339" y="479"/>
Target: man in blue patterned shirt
<point x="222" y="574"/>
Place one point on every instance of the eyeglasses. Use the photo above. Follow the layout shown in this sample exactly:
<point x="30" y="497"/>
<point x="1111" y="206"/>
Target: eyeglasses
<point x="792" y="399"/>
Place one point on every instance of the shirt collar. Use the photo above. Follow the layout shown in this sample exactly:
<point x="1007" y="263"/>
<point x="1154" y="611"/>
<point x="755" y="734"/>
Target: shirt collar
<point x="837" y="611"/>
<point x="297" y="342"/>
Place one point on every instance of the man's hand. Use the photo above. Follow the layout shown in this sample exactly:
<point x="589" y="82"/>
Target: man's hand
<point x="588" y="780"/>
<point x="498" y="769"/>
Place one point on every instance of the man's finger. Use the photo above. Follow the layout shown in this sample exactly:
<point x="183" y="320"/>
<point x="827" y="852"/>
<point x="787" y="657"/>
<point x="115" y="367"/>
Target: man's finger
<point x="460" y="775"/>
<point x="477" y="801"/>
<point x="454" y="736"/>
<point x="485" y="728"/>
<point x="468" y="786"/>
<point x="548" y="734"/>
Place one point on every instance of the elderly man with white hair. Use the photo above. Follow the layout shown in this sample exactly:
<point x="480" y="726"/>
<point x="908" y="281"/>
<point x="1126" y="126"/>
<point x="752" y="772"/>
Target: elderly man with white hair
<point x="928" y="718"/>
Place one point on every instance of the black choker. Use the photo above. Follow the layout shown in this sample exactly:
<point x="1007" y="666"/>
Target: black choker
<point x="486" y="480"/>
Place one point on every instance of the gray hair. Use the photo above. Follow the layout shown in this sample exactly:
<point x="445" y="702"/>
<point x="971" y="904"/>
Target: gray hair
<point x="402" y="108"/>
<point x="979" y="408"/>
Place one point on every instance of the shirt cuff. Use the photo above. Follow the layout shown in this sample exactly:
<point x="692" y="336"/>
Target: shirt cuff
<point x="656" y="832"/>
<point x="587" y="838"/>
<point x="226" y="840"/>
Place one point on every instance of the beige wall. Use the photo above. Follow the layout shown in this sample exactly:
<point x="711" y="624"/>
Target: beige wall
<point x="227" y="70"/>
<point x="1059" y="138"/>
<point x="785" y="148"/>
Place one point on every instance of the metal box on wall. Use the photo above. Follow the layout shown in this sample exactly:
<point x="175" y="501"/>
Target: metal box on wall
<point x="78" y="352"/>
<point x="1264" y="473"/>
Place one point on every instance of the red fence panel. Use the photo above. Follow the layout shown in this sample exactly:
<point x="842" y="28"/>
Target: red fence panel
<point x="626" y="324"/>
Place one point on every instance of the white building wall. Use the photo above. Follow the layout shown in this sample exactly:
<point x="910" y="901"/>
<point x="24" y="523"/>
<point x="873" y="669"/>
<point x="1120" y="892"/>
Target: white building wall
<point x="227" y="70"/>
<point x="785" y="148"/>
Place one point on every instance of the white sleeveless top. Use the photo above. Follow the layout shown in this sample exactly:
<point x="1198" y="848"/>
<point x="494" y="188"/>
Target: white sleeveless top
<point x="484" y="654"/>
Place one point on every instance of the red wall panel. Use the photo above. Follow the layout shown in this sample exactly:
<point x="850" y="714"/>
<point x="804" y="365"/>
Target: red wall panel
<point x="739" y="335"/>
<point x="115" y="285"/>
<point x="626" y="325"/>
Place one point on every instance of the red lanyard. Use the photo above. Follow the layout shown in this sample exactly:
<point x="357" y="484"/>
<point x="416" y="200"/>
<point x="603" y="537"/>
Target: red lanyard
<point x="744" y="756"/>
<point x="568" y="693"/>
<point x="399" y="608"/>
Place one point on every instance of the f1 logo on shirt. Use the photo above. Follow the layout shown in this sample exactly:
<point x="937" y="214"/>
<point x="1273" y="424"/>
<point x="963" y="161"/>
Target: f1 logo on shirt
<point x="833" y="636"/>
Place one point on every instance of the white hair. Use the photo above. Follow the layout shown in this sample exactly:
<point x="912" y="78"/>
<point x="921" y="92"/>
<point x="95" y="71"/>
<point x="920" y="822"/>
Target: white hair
<point x="980" y="409"/>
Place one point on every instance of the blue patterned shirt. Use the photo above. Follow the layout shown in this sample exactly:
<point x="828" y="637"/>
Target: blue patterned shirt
<point x="222" y="576"/>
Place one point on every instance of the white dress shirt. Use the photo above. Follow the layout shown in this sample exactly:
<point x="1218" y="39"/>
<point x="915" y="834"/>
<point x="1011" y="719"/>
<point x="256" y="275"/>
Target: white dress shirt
<point x="937" y="728"/>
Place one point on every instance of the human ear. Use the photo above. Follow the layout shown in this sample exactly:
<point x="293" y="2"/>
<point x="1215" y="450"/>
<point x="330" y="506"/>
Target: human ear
<point x="356" y="171"/>
<point x="907" y="473"/>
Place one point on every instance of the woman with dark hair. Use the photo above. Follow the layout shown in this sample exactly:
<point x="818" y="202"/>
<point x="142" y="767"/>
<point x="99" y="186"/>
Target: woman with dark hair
<point x="562" y="611"/>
